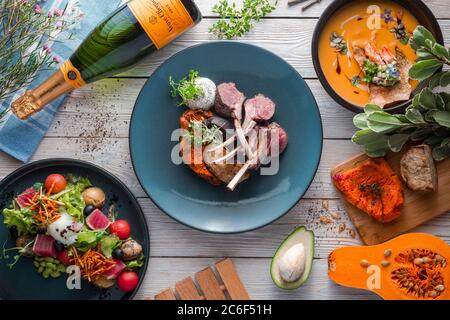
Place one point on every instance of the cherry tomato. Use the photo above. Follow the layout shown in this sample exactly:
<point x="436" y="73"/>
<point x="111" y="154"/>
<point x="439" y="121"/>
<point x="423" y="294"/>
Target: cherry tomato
<point x="64" y="258"/>
<point x="55" y="183"/>
<point x="127" y="281"/>
<point x="120" y="228"/>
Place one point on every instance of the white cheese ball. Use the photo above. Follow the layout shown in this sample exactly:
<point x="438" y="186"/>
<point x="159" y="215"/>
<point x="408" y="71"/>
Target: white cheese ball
<point x="292" y="263"/>
<point x="65" y="229"/>
<point x="208" y="97"/>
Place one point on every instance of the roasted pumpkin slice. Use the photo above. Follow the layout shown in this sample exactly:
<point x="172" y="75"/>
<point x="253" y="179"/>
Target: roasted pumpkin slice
<point x="413" y="266"/>
<point x="374" y="188"/>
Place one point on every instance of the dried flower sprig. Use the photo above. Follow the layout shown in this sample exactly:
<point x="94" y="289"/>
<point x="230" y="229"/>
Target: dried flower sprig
<point x="25" y="34"/>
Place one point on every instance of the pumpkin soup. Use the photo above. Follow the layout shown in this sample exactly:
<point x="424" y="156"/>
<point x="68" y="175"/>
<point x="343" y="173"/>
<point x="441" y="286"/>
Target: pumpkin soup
<point x="365" y="55"/>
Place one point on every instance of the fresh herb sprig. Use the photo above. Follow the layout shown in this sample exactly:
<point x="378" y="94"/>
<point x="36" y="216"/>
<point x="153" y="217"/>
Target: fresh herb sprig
<point x="186" y="88"/>
<point x="234" y="22"/>
<point x="426" y="120"/>
<point x="199" y="133"/>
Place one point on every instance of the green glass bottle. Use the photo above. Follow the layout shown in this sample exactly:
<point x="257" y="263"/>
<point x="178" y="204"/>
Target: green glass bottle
<point x="132" y="32"/>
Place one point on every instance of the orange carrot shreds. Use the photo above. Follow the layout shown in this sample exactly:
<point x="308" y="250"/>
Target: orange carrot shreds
<point x="92" y="264"/>
<point x="419" y="273"/>
<point x="46" y="210"/>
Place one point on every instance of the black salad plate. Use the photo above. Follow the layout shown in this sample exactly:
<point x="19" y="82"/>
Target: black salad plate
<point x="23" y="281"/>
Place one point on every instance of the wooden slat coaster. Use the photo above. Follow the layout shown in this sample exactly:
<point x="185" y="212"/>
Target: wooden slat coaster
<point x="166" y="295"/>
<point x="187" y="290"/>
<point x="231" y="280"/>
<point x="211" y="287"/>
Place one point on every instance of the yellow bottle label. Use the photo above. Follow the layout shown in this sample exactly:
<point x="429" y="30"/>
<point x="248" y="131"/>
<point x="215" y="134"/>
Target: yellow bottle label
<point x="72" y="75"/>
<point x="162" y="20"/>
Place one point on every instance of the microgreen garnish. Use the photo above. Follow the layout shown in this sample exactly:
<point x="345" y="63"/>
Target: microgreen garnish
<point x="427" y="119"/>
<point x="355" y="80"/>
<point x="199" y="133"/>
<point x="235" y="22"/>
<point x="338" y="43"/>
<point x="186" y="88"/>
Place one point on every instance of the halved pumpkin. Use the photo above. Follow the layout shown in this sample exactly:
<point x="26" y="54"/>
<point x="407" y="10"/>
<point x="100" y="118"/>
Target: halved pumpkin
<point x="413" y="266"/>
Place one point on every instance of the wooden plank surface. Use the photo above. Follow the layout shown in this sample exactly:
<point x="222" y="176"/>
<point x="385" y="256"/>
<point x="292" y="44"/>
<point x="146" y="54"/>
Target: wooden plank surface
<point x="231" y="280"/>
<point x="165" y="295"/>
<point x="419" y="207"/>
<point x="93" y="125"/>
<point x="209" y="285"/>
<point x="187" y="290"/>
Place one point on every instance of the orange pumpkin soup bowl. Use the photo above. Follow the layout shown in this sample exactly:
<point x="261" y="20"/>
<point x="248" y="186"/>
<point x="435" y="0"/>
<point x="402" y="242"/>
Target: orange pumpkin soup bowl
<point x="361" y="51"/>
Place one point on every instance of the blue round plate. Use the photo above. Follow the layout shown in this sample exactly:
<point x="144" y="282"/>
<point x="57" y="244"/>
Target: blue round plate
<point x="176" y="190"/>
<point x="23" y="281"/>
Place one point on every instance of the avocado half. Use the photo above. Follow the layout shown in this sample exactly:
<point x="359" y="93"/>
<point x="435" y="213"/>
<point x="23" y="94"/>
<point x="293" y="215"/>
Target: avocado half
<point x="299" y="235"/>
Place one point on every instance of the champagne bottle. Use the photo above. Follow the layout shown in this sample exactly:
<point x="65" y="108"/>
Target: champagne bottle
<point x="132" y="32"/>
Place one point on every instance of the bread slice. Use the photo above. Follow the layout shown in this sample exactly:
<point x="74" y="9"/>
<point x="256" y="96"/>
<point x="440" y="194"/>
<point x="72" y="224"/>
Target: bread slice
<point x="418" y="169"/>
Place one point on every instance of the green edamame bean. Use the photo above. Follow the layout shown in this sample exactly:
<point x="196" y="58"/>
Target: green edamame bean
<point x="37" y="258"/>
<point x="61" y="268"/>
<point x="50" y="266"/>
<point x="48" y="259"/>
<point x="55" y="274"/>
<point x="41" y="269"/>
<point x="46" y="273"/>
<point x="42" y="263"/>
<point x="36" y="264"/>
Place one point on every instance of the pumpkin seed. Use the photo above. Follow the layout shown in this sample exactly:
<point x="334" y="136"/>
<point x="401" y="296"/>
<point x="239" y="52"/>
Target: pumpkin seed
<point x="418" y="261"/>
<point x="325" y="204"/>
<point x="325" y="220"/>
<point x="426" y="260"/>
<point x="341" y="227"/>
<point x="364" y="263"/>
<point x="439" y="258"/>
<point x="440" y="288"/>
<point x="433" y="294"/>
<point x="387" y="252"/>
<point x="385" y="263"/>
<point x="335" y="215"/>
<point x="352" y="233"/>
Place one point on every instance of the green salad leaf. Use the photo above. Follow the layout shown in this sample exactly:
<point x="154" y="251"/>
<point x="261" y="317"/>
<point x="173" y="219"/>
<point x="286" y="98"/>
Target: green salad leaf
<point x="21" y="219"/>
<point x="73" y="198"/>
<point x="108" y="244"/>
<point x="88" y="239"/>
<point x="136" y="264"/>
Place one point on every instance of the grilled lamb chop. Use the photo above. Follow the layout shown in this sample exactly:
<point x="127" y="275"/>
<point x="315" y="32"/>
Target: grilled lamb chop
<point x="229" y="101"/>
<point x="222" y="170"/>
<point x="258" y="109"/>
<point x="264" y="152"/>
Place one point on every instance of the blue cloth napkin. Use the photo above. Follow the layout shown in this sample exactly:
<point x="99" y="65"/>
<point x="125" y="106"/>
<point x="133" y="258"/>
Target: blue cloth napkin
<point x="20" y="139"/>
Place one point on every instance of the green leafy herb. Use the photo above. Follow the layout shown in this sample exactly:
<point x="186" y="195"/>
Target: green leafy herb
<point x="355" y="80"/>
<point x="21" y="251"/>
<point x="136" y="264"/>
<point x="108" y="244"/>
<point x="235" y="22"/>
<point x="426" y="120"/>
<point x="370" y="70"/>
<point x="88" y="239"/>
<point x="186" y="88"/>
<point x="199" y="133"/>
<point x="338" y="43"/>
<point x="21" y="219"/>
<point x="72" y="196"/>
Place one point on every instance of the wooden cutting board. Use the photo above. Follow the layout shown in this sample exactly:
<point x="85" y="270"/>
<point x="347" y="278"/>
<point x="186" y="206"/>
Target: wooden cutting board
<point x="225" y="284"/>
<point x="419" y="207"/>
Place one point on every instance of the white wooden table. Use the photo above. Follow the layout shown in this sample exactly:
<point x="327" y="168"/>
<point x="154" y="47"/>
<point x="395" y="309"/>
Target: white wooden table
<point x="177" y="251"/>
